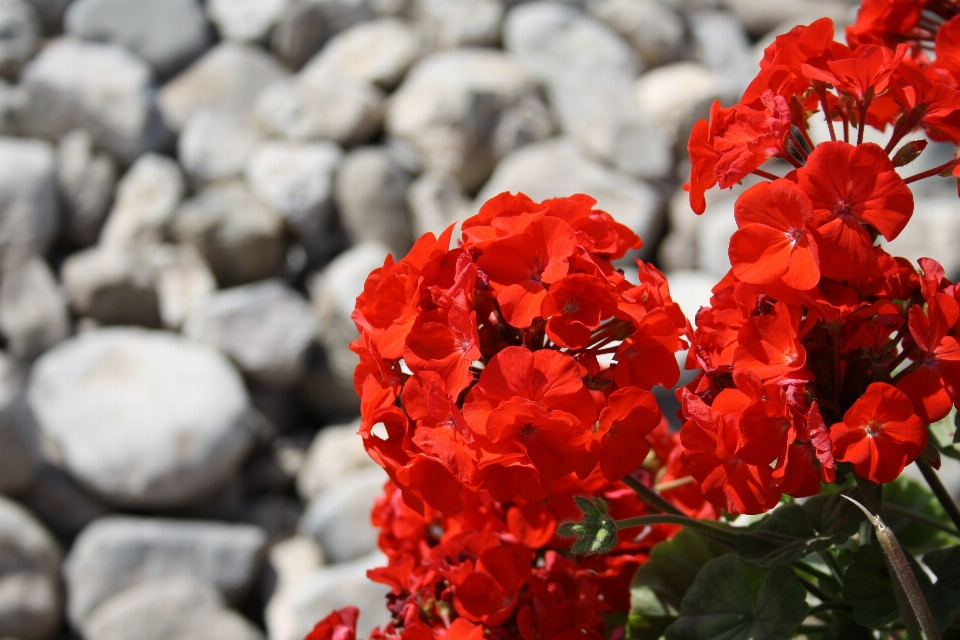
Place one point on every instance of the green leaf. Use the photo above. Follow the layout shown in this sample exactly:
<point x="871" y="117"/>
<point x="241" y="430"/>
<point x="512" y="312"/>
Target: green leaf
<point x="734" y="600"/>
<point x="945" y="435"/>
<point x="659" y="585"/>
<point x="791" y="531"/>
<point x="867" y="588"/>
<point x="944" y="596"/>
<point x="907" y="492"/>
<point x="839" y="625"/>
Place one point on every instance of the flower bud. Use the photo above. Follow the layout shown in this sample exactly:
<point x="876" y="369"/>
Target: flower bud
<point x="596" y="533"/>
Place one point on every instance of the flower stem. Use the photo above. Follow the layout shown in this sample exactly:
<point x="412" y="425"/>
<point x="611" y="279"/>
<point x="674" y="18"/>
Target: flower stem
<point x="707" y="528"/>
<point x="930" y="172"/>
<point x="921" y="518"/>
<point x="940" y="491"/>
<point x="766" y="174"/>
<point x="651" y="497"/>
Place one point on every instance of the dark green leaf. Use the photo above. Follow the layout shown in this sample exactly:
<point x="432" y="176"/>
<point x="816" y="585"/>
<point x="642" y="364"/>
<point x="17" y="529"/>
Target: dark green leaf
<point x="944" y="596"/>
<point x="839" y="625"/>
<point x="792" y="531"/>
<point x="907" y="492"/>
<point x="659" y="585"/>
<point x="867" y="588"/>
<point x="945" y="435"/>
<point x="735" y="600"/>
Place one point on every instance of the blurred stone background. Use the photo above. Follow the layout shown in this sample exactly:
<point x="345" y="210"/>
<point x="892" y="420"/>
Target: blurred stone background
<point x="191" y="195"/>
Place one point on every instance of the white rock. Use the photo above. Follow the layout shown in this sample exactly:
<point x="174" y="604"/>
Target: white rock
<point x="33" y="310"/>
<point x="215" y="145"/>
<point x="379" y="52"/>
<point x="292" y="613"/>
<point x="116" y="553"/>
<point x="110" y="285"/>
<point x="932" y="233"/>
<point x="8" y="112"/>
<point x="714" y="229"/>
<point x="229" y="77"/>
<point x="147" y="196"/>
<point x="172" y="609"/>
<point x="142" y="418"/>
<point x="296" y="180"/>
<point x="370" y="192"/>
<point x="335" y="453"/>
<point x="240" y="236"/>
<point x="265" y="328"/>
<point x="29" y="583"/>
<point x="721" y="43"/>
<point x="339" y="519"/>
<point x="169" y="34"/>
<point x="691" y="290"/>
<point x="182" y="281"/>
<point x="245" y="20"/>
<point x="678" y="94"/>
<point x="455" y="106"/>
<point x="678" y="249"/>
<point x="555" y="168"/>
<point x="448" y="24"/>
<point x="294" y="560"/>
<point x="101" y="88"/>
<point x="553" y="40"/>
<point x="29" y="210"/>
<point x="19" y="443"/>
<point x="333" y="293"/>
<point x="760" y="17"/>
<point x="434" y="202"/>
<point x="86" y="179"/>
<point x="655" y="31"/>
<point x="20" y="26"/>
<point x="327" y="106"/>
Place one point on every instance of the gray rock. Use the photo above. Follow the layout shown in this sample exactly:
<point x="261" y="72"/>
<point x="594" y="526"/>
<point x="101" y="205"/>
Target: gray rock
<point x="678" y="94"/>
<point x="932" y="233"/>
<point x="101" y="88"/>
<point x="215" y="145"/>
<point x="760" y="17"/>
<point x="21" y="28"/>
<point x="181" y="280"/>
<point x="29" y="576"/>
<point x="294" y="560"/>
<point x="265" y="328"/>
<point x="110" y="285"/>
<point x="175" y="609"/>
<point x="147" y="196"/>
<point x="333" y="293"/>
<point x="142" y="418"/>
<point x="339" y="519"/>
<point x="33" y="310"/>
<point x="8" y="115"/>
<point x="29" y="211"/>
<point x="296" y="180"/>
<point x="553" y="40"/>
<point x="448" y="24"/>
<point x="714" y="229"/>
<point x="240" y="237"/>
<point x="169" y="34"/>
<point x="465" y="109"/>
<point x="245" y="20"/>
<point x="678" y="249"/>
<point x="299" y="33"/>
<point x="379" y="52"/>
<point x="116" y="553"/>
<point x="19" y="444"/>
<point x="335" y="453"/>
<point x="292" y="612"/>
<point x="556" y="168"/>
<point x="327" y="106"/>
<point x="228" y="77"/>
<point x="86" y="179"/>
<point x="370" y="192"/>
<point x="434" y="202"/>
<point x="57" y="500"/>
<point x="721" y="43"/>
<point x="50" y="12"/>
<point x="342" y="14"/>
<point x="655" y="31"/>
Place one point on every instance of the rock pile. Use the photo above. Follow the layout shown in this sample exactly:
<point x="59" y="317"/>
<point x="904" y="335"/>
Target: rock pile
<point x="191" y="196"/>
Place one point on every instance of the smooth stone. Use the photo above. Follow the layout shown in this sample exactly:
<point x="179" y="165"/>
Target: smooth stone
<point x="239" y="235"/>
<point x="215" y="145"/>
<point x="62" y="505"/>
<point x="691" y="289"/>
<point x="168" y="34"/>
<point x="142" y="418"/>
<point x="20" y="26"/>
<point x="449" y="24"/>
<point x="29" y="207"/>
<point x="720" y="42"/>
<point x="111" y="286"/>
<point x="245" y="20"/>
<point x="102" y="88"/>
<point x="117" y="553"/>
<point x="182" y="281"/>
<point x="677" y="95"/>
<point x="265" y="328"/>
<point x="228" y="77"/>
<point x="86" y="179"/>
<point x="654" y="30"/>
<point x="434" y="202"/>
<point x="20" y="454"/>
<point x="335" y="453"/>
<point x="146" y="198"/>
<point x="299" y="33"/>
<point x="33" y="309"/>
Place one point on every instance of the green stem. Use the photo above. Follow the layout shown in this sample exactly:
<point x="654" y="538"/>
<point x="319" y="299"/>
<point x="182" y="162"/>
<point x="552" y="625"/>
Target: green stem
<point x="833" y="564"/>
<point x="921" y="518"/>
<point x="868" y="492"/>
<point x="813" y="571"/>
<point x="817" y="592"/>
<point x="714" y="531"/>
<point x="940" y="491"/>
<point x="829" y="606"/>
<point x="651" y="497"/>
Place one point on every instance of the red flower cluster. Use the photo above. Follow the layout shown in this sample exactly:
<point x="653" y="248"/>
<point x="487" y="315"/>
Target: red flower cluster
<point x="482" y="362"/>
<point x="819" y="347"/>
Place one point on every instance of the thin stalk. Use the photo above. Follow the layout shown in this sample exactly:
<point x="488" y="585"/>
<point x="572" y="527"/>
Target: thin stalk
<point x="798" y="146"/>
<point x="651" y="497"/>
<point x="673" y="484"/>
<point x="766" y="174"/>
<point x="861" y="122"/>
<point x="921" y="518"/>
<point x="786" y="155"/>
<point x="813" y="571"/>
<point x="728" y="537"/>
<point x="940" y="491"/>
<point x="826" y="114"/>
<point x="930" y="172"/>
<point x="833" y="564"/>
<point x="829" y="606"/>
<point x="816" y="591"/>
<point x="868" y="493"/>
